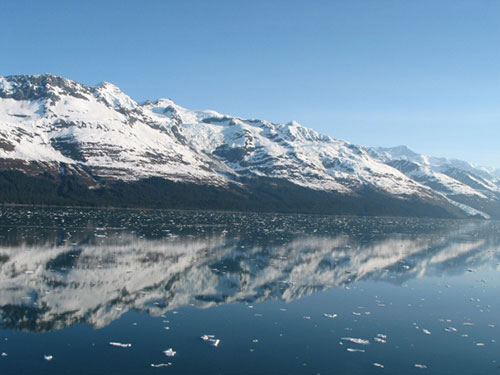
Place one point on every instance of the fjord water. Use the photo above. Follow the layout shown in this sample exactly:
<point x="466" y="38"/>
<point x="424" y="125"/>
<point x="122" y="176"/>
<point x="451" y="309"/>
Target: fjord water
<point x="284" y="294"/>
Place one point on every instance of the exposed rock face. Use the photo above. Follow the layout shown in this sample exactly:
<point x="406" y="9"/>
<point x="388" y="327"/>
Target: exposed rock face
<point x="101" y="133"/>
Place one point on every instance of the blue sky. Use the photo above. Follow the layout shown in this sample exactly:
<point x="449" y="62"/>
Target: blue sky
<point x="374" y="72"/>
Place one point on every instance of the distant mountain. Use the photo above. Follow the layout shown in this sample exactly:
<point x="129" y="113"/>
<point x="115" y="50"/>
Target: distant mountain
<point x="474" y="189"/>
<point x="62" y="142"/>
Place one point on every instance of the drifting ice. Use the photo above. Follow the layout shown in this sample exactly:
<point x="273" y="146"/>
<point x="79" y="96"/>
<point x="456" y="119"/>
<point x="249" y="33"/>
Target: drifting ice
<point x="211" y="340"/>
<point x="119" y="344"/>
<point x="169" y="352"/>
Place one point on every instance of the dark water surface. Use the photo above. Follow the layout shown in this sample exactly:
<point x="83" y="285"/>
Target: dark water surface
<point x="284" y="294"/>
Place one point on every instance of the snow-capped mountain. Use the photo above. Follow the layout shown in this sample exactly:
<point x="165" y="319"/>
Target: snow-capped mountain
<point x="461" y="182"/>
<point x="50" y="124"/>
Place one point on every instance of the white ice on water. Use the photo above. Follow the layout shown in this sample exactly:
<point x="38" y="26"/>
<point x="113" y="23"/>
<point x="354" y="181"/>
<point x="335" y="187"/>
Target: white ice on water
<point x="169" y="352"/>
<point x="211" y="340"/>
<point x="119" y="344"/>
<point x="356" y="340"/>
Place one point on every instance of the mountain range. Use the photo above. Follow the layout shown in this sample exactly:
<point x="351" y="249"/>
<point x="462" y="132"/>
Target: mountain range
<point x="65" y="143"/>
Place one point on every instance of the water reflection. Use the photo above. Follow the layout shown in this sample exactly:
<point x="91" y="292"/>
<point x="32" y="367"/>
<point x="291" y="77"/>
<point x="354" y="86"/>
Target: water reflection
<point x="96" y="274"/>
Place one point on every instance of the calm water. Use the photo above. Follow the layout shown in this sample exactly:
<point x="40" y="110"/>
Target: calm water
<point x="284" y="294"/>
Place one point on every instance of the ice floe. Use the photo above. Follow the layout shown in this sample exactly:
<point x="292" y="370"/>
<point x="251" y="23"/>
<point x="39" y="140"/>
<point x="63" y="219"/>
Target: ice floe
<point x="161" y="364"/>
<point x="169" y="352"/>
<point x="211" y="340"/>
<point x="356" y="340"/>
<point x="119" y="344"/>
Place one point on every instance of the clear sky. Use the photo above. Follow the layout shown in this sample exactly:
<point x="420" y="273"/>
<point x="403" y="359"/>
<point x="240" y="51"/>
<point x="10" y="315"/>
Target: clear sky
<point x="376" y="72"/>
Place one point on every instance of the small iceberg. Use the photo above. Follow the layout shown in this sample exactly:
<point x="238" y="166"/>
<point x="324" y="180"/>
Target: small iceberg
<point x="119" y="344"/>
<point x="169" y="352"/>
<point x="211" y="340"/>
<point x="48" y="357"/>
<point x="331" y="316"/>
<point x="356" y="340"/>
<point x="161" y="364"/>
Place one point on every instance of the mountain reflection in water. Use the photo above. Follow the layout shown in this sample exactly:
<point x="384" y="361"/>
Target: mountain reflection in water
<point x="95" y="273"/>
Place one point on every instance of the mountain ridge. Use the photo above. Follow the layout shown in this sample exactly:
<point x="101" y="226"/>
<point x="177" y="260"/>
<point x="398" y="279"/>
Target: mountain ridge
<point x="99" y="135"/>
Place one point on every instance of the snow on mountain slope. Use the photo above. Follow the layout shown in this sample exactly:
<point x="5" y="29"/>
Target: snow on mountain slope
<point x="50" y="118"/>
<point x="100" y="132"/>
<point x="453" y="178"/>
<point x="288" y="151"/>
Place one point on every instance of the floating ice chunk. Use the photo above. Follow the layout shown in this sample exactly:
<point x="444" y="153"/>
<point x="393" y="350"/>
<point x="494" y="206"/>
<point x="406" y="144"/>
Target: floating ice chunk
<point x="378" y="365"/>
<point x="356" y="340"/>
<point x="119" y="344"/>
<point x="307" y="317"/>
<point x="355" y="350"/>
<point x="161" y="364"/>
<point x="418" y="365"/>
<point x="468" y="324"/>
<point x="356" y="313"/>
<point x="480" y="344"/>
<point x="381" y="335"/>
<point x="4" y="354"/>
<point x="214" y="342"/>
<point x="331" y="316"/>
<point x="426" y="331"/>
<point x="283" y="310"/>
<point x="255" y="340"/>
<point x="378" y="339"/>
<point x="48" y="357"/>
<point x="169" y="352"/>
<point x="211" y="340"/>
<point x="166" y="328"/>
